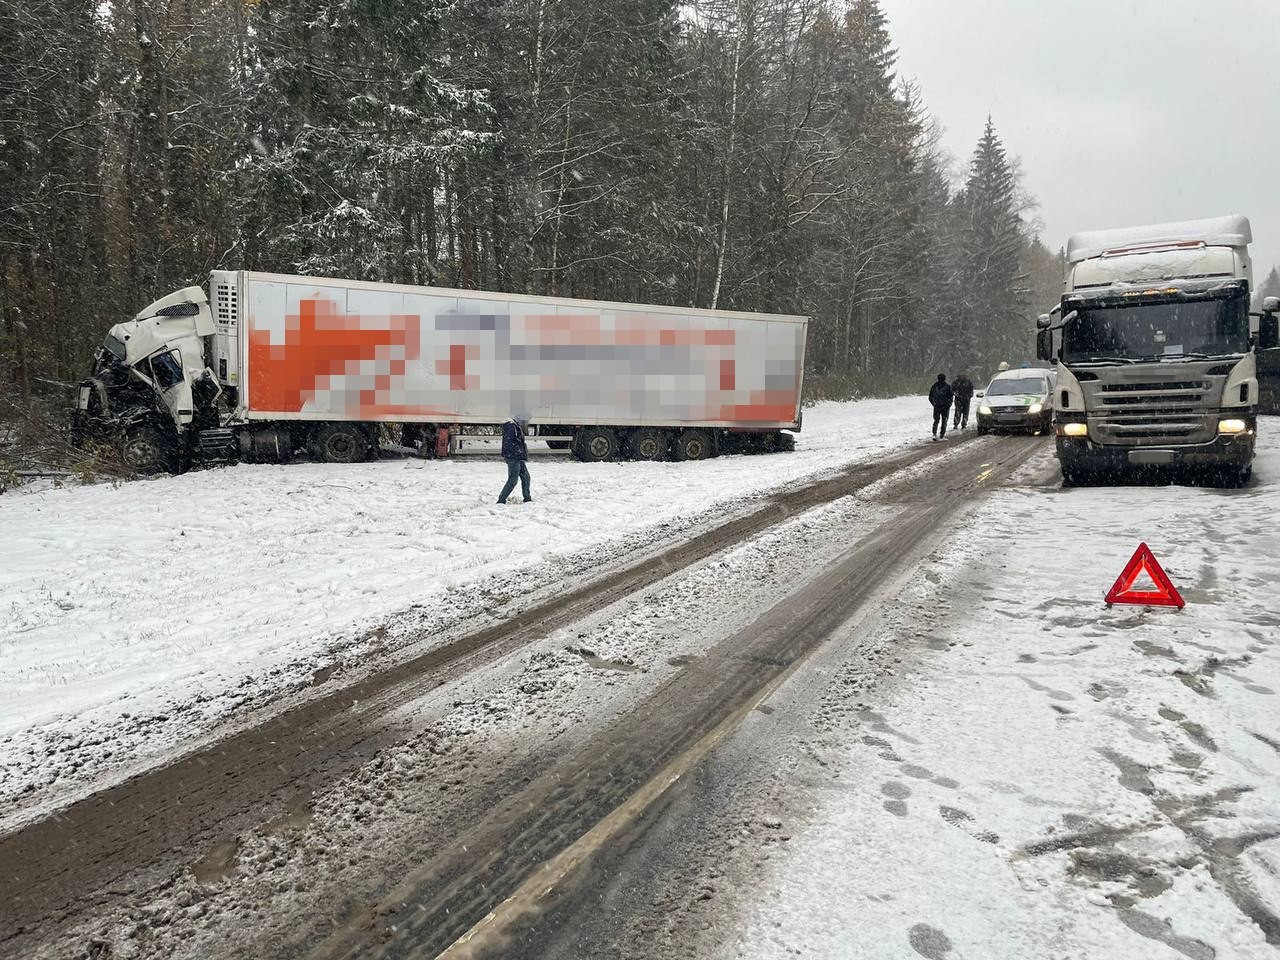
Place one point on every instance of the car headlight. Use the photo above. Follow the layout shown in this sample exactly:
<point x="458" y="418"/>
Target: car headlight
<point x="984" y="410"/>
<point x="1233" y="425"/>
<point x="1073" y="429"/>
<point x="1034" y="408"/>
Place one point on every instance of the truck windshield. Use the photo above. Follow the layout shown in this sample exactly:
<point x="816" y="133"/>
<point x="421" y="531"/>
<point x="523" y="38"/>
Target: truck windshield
<point x="114" y="347"/>
<point x="1154" y="331"/>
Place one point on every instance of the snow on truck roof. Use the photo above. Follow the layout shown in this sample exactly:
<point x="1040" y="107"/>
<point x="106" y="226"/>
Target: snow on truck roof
<point x="1230" y="231"/>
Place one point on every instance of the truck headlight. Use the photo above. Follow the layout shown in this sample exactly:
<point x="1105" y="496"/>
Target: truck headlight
<point x="1034" y="408"/>
<point x="1233" y="425"/>
<point x="984" y="410"/>
<point x="1073" y="429"/>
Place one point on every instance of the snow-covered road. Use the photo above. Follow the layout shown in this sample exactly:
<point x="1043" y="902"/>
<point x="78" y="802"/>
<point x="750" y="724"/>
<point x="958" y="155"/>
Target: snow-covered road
<point x="135" y="616"/>
<point x="1047" y="777"/>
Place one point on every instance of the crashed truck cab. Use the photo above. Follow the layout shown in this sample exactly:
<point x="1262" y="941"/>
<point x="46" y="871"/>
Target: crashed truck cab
<point x="151" y="388"/>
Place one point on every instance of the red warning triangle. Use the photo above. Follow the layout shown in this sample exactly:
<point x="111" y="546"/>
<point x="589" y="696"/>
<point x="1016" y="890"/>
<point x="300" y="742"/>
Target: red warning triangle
<point x="1143" y="561"/>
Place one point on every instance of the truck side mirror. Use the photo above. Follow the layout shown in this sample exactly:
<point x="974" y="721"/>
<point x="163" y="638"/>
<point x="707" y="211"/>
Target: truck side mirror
<point x="1269" y="330"/>
<point x="1044" y="345"/>
<point x="1044" y="321"/>
<point x="1271" y="304"/>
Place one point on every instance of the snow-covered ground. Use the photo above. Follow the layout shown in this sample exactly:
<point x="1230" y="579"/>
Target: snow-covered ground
<point x="134" y="616"/>
<point x="1048" y="777"/>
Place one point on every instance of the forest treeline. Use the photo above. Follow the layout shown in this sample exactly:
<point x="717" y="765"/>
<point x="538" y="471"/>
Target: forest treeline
<point x="744" y="154"/>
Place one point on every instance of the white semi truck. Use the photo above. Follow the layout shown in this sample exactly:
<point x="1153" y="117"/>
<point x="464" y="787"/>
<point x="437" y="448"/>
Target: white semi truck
<point x="1155" y="350"/>
<point x="264" y="365"/>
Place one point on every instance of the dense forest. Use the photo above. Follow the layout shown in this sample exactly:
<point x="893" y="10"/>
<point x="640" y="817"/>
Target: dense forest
<point x="752" y="154"/>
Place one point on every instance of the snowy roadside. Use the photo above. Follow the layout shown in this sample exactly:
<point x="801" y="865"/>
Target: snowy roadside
<point x="134" y="617"/>
<point x="1048" y="777"/>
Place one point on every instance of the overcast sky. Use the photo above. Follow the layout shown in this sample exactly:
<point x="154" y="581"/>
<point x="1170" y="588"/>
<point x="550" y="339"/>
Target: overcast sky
<point x="1123" y="112"/>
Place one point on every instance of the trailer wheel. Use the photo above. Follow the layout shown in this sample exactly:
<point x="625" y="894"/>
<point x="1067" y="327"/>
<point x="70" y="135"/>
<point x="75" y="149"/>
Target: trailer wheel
<point x="596" y="444"/>
<point x="341" y="443"/>
<point x="648" y="443"/>
<point x="693" y="445"/>
<point x="148" y="449"/>
<point x="785" y="442"/>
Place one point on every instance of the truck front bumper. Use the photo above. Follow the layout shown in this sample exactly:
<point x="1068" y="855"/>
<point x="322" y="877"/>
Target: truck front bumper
<point x="1230" y="451"/>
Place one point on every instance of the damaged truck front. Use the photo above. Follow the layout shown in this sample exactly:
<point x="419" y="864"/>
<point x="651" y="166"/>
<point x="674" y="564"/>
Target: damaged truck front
<point x="151" y="391"/>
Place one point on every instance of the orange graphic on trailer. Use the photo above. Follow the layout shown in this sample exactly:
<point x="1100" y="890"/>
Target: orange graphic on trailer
<point x="320" y="344"/>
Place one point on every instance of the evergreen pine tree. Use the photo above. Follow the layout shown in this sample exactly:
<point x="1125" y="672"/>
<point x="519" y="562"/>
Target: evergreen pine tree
<point x="993" y="306"/>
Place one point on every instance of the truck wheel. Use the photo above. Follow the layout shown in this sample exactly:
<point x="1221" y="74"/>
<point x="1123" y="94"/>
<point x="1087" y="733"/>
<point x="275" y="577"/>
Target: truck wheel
<point x="785" y="442"/>
<point x="692" y="445"/>
<point x="648" y="443"/>
<point x="595" y="444"/>
<point x="341" y="443"/>
<point x="148" y="449"/>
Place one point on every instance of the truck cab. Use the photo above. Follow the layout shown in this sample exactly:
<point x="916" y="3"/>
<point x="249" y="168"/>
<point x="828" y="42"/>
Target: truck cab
<point x="1155" y="355"/>
<point x="150" y="387"/>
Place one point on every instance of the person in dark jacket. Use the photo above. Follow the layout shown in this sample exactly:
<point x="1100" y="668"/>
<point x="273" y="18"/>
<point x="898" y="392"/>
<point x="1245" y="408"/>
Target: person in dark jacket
<point x="962" y="387"/>
<point x="516" y="453"/>
<point x="940" y="396"/>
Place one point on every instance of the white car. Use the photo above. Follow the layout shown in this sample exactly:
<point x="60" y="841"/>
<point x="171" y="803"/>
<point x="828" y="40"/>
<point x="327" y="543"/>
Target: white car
<point x="1017" y="400"/>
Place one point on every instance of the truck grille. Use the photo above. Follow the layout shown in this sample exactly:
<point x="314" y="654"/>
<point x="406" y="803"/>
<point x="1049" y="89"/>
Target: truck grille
<point x="1152" y="412"/>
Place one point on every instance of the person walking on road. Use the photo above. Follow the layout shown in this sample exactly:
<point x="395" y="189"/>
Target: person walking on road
<point x="940" y="396"/>
<point x="962" y="387"/>
<point x="516" y="453"/>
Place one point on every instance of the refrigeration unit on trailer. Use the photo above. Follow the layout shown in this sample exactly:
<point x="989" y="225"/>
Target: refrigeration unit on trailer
<point x="1155" y="350"/>
<point x="267" y="364"/>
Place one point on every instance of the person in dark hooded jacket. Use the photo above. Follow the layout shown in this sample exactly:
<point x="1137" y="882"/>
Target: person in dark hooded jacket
<point x="940" y="397"/>
<point x="516" y="453"/>
<point x="962" y="387"/>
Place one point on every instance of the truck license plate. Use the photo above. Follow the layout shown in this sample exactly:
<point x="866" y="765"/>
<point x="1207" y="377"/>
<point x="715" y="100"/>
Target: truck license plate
<point x="1151" y="456"/>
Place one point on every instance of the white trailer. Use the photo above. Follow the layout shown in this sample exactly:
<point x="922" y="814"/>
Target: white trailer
<point x="266" y="364"/>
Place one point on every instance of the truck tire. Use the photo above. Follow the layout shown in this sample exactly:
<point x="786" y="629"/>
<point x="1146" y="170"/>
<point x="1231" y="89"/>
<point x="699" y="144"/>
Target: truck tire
<point x="786" y="442"/>
<point x="693" y="445"/>
<point x="340" y="443"/>
<point x="148" y="449"/>
<point x="648" y="443"/>
<point x="595" y="444"/>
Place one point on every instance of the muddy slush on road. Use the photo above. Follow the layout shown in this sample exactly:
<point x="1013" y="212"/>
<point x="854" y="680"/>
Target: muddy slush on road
<point x="488" y="832"/>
